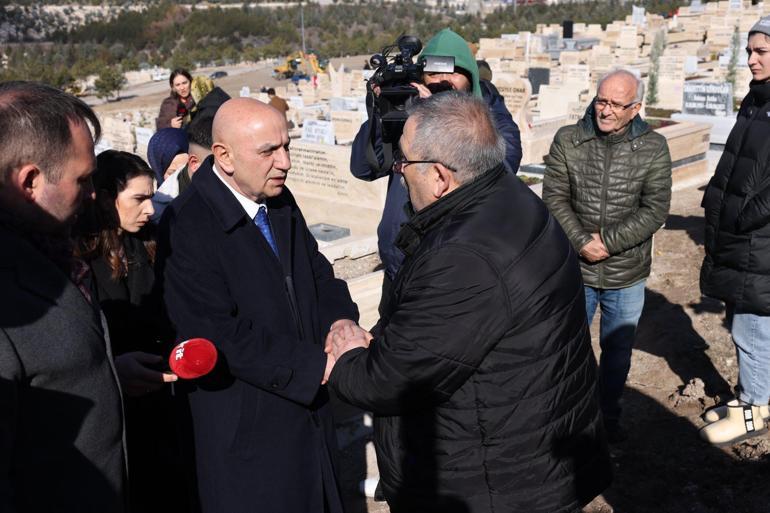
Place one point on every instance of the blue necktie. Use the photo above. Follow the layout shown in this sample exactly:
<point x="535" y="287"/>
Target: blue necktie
<point x="263" y="223"/>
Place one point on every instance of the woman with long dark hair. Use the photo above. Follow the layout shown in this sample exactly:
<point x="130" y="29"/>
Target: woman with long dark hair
<point x="115" y="237"/>
<point x="175" y="110"/>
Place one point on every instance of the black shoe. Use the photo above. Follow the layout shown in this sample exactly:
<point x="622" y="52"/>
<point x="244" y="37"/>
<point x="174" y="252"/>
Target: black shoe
<point x="378" y="495"/>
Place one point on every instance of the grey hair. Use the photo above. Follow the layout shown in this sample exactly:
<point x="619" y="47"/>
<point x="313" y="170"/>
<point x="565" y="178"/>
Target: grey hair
<point x="628" y="73"/>
<point x="457" y="130"/>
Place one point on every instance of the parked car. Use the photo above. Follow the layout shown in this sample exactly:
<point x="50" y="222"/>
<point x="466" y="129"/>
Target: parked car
<point x="218" y="74"/>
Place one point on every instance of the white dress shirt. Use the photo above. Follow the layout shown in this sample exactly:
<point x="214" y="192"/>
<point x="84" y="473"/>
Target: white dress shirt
<point x="251" y="207"/>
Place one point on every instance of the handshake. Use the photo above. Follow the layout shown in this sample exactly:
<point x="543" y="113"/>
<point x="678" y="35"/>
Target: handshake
<point x="343" y="336"/>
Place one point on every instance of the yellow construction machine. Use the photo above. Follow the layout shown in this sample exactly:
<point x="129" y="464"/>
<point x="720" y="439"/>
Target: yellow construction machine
<point x="300" y="65"/>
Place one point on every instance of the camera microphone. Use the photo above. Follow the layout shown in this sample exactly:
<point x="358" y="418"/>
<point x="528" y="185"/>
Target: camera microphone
<point x="377" y="60"/>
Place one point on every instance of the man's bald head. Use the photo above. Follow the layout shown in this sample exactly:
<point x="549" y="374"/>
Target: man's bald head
<point x="239" y="115"/>
<point x="251" y="147"/>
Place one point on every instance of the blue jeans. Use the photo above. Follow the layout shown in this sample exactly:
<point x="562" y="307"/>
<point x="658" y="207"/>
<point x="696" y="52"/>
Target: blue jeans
<point x="620" y="312"/>
<point x="751" y="335"/>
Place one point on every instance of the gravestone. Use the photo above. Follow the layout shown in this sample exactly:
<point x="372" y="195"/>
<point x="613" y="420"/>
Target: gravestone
<point x="627" y="39"/>
<point x="719" y="37"/>
<point x="691" y="64"/>
<point x="357" y="83"/>
<point x="119" y="132"/>
<point x="346" y="124"/>
<point x="538" y="77"/>
<point x="670" y="82"/>
<point x="518" y="68"/>
<point x="311" y="112"/>
<point x="308" y="92"/>
<point x="540" y="60"/>
<point x="516" y="94"/>
<point x="296" y="102"/>
<point x="345" y="103"/>
<point x="577" y="76"/>
<point x="671" y="67"/>
<point x="696" y="6"/>
<point x="327" y="193"/>
<point x="143" y="136"/>
<point x="708" y="98"/>
<point x="318" y="131"/>
<point x="554" y="101"/>
<point x="569" y="58"/>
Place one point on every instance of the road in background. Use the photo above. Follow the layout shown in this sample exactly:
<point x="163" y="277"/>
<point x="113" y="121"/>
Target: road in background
<point x="152" y="93"/>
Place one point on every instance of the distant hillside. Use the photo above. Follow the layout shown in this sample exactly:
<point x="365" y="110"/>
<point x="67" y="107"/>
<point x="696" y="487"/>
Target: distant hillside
<point x="173" y="35"/>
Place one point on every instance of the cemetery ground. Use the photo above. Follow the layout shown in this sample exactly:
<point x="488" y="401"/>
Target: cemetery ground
<point x="683" y="359"/>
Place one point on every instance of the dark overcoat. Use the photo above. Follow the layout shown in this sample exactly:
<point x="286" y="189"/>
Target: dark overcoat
<point x="264" y="438"/>
<point x="61" y="418"/>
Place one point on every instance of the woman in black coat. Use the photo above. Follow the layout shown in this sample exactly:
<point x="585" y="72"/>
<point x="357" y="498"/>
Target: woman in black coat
<point x="736" y="269"/>
<point x="115" y="238"/>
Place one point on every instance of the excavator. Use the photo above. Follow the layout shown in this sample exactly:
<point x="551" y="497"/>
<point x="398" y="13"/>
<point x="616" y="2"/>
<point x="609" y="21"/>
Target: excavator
<point x="300" y="66"/>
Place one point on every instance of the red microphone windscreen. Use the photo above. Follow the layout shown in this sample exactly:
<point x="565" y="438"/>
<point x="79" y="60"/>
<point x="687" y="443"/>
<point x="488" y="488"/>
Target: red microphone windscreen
<point x="193" y="358"/>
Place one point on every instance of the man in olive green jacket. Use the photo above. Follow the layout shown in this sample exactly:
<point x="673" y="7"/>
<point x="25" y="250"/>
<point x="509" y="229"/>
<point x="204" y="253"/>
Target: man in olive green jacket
<point x="608" y="182"/>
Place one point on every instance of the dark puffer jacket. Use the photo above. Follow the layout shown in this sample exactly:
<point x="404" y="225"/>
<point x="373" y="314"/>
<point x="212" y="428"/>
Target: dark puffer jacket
<point x="737" y="210"/>
<point x="616" y="185"/>
<point x="481" y="375"/>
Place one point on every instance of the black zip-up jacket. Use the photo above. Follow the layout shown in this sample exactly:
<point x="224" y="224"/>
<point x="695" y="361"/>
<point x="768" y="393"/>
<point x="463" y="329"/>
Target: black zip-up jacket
<point x="737" y="211"/>
<point x="616" y="185"/>
<point x="481" y="374"/>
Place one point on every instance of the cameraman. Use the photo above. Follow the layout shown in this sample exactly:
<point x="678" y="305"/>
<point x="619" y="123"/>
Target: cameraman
<point x="465" y="78"/>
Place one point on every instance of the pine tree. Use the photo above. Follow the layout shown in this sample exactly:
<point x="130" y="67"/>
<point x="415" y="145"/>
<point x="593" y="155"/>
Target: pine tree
<point x="732" y="66"/>
<point x="110" y="81"/>
<point x="656" y="51"/>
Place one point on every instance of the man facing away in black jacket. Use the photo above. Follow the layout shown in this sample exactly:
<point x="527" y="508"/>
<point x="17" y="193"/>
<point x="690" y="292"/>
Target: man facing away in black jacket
<point x="480" y="373"/>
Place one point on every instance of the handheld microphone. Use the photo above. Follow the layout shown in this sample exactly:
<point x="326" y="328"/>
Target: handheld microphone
<point x="193" y="358"/>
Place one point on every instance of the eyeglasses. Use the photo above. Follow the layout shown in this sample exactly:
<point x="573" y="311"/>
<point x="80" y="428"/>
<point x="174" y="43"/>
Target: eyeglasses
<point x="616" y="107"/>
<point x="400" y="163"/>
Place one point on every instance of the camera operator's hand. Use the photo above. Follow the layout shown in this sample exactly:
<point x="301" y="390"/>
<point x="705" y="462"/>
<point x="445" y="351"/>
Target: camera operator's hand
<point x="422" y="89"/>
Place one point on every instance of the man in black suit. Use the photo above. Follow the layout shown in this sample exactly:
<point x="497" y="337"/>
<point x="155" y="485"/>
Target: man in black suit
<point x="241" y="268"/>
<point x="61" y="420"/>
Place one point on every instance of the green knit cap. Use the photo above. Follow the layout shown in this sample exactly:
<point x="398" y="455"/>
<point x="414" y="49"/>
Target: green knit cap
<point x="449" y="44"/>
